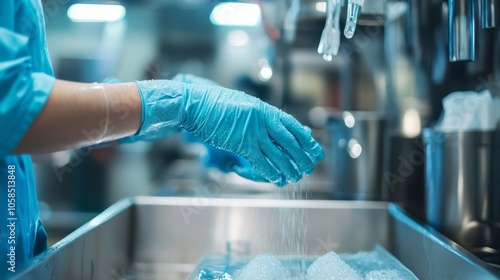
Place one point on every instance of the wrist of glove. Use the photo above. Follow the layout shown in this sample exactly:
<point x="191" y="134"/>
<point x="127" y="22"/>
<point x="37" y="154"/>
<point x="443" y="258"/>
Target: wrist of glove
<point x="162" y="131"/>
<point x="273" y="142"/>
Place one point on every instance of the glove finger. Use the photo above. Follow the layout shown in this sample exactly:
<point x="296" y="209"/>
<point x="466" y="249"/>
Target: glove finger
<point x="252" y="174"/>
<point x="289" y="144"/>
<point x="249" y="173"/>
<point x="306" y="141"/>
<point x="262" y="165"/>
<point x="281" y="183"/>
<point x="307" y="129"/>
<point x="280" y="160"/>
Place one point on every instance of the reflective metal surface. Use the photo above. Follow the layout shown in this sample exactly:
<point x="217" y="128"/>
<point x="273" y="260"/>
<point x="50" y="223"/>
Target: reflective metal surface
<point x="461" y="30"/>
<point x="463" y="187"/>
<point x="163" y="238"/>
<point x="407" y="77"/>
<point x="357" y="154"/>
<point x="419" y="73"/>
<point x="403" y="178"/>
<point x="430" y="255"/>
<point x="490" y="13"/>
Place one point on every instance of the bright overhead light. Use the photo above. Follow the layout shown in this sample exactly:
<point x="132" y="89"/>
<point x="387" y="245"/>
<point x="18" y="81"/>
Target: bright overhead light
<point x="96" y="12"/>
<point x="321" y="7"/>
<point x="236" y="14"/>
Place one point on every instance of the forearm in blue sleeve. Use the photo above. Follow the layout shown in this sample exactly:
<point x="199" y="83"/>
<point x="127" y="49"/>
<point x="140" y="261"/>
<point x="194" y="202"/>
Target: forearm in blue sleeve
<point x="23" y="93"/>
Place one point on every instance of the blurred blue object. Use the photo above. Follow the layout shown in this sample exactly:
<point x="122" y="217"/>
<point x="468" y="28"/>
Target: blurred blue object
<point x="227" y="161"/>
<point x="272" y="141"/>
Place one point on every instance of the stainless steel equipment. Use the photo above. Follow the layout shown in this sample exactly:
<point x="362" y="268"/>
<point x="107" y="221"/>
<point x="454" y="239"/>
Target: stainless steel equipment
<point x="461" y="22"/>
<point x="357" y="154"/>
<point x="490" y="13"/>
<point x="463" y="188"/>
<point x="402" y="62"/>
<point x="163" y="238"/>
<point x="403" y="174"/>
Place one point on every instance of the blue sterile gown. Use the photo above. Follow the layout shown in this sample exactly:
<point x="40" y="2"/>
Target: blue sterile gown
<point x="26" y="79"/>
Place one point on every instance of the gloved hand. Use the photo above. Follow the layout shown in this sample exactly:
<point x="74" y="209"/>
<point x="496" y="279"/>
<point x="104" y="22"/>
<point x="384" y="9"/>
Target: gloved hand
<point x="274" y="143"/>
<point x="222" y="160"/>
<point x="163" y="132"/>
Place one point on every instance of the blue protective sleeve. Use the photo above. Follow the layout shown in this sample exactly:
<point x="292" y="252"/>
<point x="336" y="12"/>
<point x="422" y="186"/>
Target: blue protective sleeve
<point x="23" y="93"/>
<point x="24" y="90"/>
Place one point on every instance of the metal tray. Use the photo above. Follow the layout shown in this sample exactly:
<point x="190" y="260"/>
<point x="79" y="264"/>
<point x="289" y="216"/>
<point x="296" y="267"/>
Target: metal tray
<point x="164" y="238"/>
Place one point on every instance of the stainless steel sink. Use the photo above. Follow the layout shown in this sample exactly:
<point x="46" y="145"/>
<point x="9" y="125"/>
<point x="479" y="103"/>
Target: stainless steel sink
<point x="164" y="238"/>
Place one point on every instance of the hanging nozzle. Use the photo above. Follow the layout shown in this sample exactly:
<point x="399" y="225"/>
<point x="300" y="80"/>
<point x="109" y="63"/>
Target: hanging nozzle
<point x="330" y="39"/>
<point x="353" y="9"/>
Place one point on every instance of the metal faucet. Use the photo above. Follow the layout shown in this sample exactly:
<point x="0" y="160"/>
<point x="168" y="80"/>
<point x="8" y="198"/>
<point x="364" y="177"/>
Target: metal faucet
<point x="490" y="13"/>
<point x="461" y="23"/>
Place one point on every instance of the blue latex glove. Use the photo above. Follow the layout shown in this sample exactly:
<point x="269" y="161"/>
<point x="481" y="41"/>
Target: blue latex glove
<point x="163" y="132"/>
<point x="273" y="142"/>
<point x="222" y="160"/>
<point x="225" y="161"/>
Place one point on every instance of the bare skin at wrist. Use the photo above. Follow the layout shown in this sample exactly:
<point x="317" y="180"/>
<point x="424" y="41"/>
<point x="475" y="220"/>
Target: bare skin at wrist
<point x="78" y="115"/>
